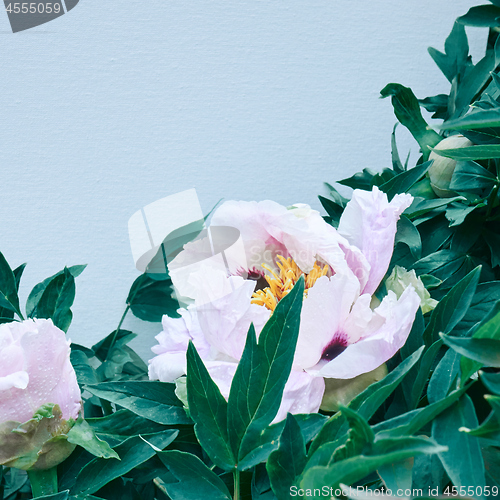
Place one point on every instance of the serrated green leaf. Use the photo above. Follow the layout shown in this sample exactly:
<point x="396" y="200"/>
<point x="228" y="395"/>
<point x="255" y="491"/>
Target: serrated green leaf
<point x="262" y="372"/>
<point x="208" y="409"/>
<point x="194" y="479"/>
<point x="153" y="400"/>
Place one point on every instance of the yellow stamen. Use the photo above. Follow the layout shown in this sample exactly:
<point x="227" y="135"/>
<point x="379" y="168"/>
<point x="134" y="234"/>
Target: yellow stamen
<point x="280" y="285"/>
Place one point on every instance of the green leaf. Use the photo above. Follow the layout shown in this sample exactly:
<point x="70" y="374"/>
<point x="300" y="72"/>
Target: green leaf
<point x="491" y="381"/>
<point x="150" y="299"/>
<point x="475" y="80"/>
<point x="57" y="299"/>
<point x="482" y="16"/>
<point x="119" y="426"/>
<point x="402" y="182"/>
<point x="477" y="119"/>
<point x="286" y="463"/>
<point x="408" y="234"/>
<point x="8" y="288"/>
<point x="493" y="241"/>
<point x="413" y="421"/>
<point x="441" y="264"/>
<point x="420" y="206"/>
<point x="470" y="153"/>
<point x="132" y="452"/>
<point x="262" y="372"/>
<point x="397" y="166"/>
<point x="63" y="495"/>
<point x="463" y="461"/>
<point x="452" y="308"/>
<point x="385" y="452"/>
<point x="360" y="436"/>
<point x="445" y="373"/>
<point x="407" y="110"/>
<point x="194" y="479"/>
<point x="484" y="351"/>
<point x="37" y="292"/>
<point x="456" y="56"/>
<point x="398" y="475"/>
<point x="83" y="435"/>
<point x="420" y="375"/>
<point x="332" y="209"/>
<point x="366" y="403"/>
<point x="486" y="296"/>
<point x="208" y="409"/>
<point x="360" y="180"/>
<point x="153" y="400"/>
<point x="470" y="176"/>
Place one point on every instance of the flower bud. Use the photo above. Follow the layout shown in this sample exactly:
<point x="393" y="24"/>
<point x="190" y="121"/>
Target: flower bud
<point x="400" y="279"/>
<point x="441" y="170"/>
<point x="39" y="395"/>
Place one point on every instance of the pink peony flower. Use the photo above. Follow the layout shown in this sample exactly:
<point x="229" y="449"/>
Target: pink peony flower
<point x="340" y="335"/>
<point x="39" y="395"/>
<point x="35" y="370"/>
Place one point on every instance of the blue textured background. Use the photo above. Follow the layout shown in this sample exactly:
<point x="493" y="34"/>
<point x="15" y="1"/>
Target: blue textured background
<point x="117" y="104"/>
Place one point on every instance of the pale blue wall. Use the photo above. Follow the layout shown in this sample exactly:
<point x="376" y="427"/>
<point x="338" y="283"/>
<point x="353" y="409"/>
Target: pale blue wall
<point x="119" y="103"/>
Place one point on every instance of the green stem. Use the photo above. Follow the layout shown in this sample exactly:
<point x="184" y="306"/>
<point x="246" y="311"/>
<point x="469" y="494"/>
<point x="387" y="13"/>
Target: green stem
<point x="43" y="482"/>
<point x="236" y="475"/>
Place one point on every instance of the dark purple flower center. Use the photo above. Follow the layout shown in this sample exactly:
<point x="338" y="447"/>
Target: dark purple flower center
<point x="337" y="346"/>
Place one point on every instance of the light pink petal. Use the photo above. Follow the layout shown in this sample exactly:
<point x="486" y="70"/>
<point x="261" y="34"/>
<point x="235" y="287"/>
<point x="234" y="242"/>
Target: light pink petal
<point x="52" y="378"/>
<point x="226" y="320"/>
<point x="168" y="366"/>
<point x="324" y="311"/>
<point x="173" y="341"/>
<point x="269" y="229"/>
<point x="222" y="373"/>
<point x="18" y="380"/>
<point x="372" y="351"/>
<point x="369" y="223"/>
<point x="303" y="394"/>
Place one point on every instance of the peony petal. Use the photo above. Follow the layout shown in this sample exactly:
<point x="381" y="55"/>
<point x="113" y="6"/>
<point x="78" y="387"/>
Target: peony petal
<point x="375" y="349"/>
<point x="167" y="366"/>
<point x="303" y="394"/>
<point x="324" y="311"/>
<point x="369" y="222"/>
<point x="52" y="378"/>
<point x="225" y="321"/>
<point x="222" y="373"/>
<point x="18" y="380"/>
